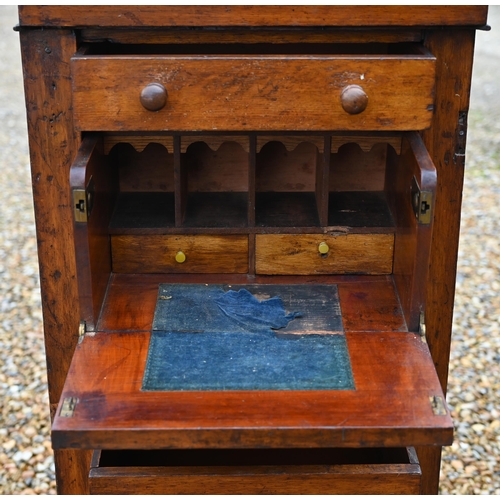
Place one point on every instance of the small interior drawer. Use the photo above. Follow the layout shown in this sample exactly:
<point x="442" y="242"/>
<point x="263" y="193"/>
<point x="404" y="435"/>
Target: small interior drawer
<point x="235" y="88"/>
<point x="324" y="254"/>
<point x="370" y="471"/>
<point x="180" y="254"/>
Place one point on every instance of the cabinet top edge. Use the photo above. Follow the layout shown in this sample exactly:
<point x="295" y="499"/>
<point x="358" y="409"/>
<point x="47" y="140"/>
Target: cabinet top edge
<point x="155" y="16"/>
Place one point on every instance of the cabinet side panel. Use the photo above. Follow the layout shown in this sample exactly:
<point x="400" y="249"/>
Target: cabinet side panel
<point x="445" y="141"/>
<point x="53" y="144"/>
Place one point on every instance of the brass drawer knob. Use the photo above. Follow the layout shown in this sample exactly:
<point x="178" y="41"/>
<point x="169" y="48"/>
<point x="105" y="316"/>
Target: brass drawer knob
<point x="354" y="99"/>
<point x="323" y="248"/>
<point x="154" y="96"/>
<point x="180" y="257"/>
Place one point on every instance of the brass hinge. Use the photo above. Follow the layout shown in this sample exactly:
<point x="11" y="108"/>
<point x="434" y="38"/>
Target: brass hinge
<point x="68" y="407"/>
<point x="437" y="405"/>
<point x="421" y="202"/>
<point x="81" y="331"/>
<point x="422" y="330"/>
<point x="83" y="200"/>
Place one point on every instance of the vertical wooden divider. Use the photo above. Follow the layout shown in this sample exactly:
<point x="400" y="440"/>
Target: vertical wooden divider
<point x="252" y="160"/>
<point x="252" y="165"/>
<point x="180" y="184"/>
<point x="322" y="181"/>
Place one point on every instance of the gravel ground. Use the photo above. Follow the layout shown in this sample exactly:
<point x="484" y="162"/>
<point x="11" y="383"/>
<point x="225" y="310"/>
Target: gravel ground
<point x="470" y="465"/>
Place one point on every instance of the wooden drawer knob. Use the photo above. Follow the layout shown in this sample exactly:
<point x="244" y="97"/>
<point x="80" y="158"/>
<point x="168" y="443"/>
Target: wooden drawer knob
<point x="323" y="248"/>
<point x="154" y="96"/>
<point x="180" y="257"/>
<point x="354" y="99"/>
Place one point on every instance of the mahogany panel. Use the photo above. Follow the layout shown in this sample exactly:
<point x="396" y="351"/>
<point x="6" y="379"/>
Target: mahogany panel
<point x="348" y="253"/>
<point x="373" y="307"/>
<point x="157" y="254"/>
<point x="412" y="240"/>
<point x="394" y="380"/>
<point x="92" y="174"/>
<point x="252" y="92"/>
<point x="253" y="15"/>
<point x="445" y="142"/>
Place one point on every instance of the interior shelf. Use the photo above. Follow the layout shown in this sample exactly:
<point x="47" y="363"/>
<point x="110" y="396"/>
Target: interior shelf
<point x="143" y="211"/>
<point x="275" y="209"/>
<point x="359" y="209"/>
<point x="216" y="210"/>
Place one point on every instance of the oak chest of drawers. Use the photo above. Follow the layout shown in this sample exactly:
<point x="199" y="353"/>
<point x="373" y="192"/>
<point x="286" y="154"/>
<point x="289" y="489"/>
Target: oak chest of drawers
<point x="306" y="156"/>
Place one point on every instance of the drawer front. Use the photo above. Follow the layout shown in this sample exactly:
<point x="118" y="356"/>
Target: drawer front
<point x="320" y="254"/>
<point x="180" y="254"/>
<point x="254" y="92"/>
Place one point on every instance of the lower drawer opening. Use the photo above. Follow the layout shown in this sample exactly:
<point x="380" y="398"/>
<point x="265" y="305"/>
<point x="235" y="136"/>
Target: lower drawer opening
<point x="253" y="457"/>
<point x="256" y="471"/>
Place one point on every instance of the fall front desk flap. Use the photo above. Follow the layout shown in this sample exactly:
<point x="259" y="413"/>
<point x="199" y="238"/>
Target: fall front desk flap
<point x="250" y="366"/>
<point x="260" y="337"/>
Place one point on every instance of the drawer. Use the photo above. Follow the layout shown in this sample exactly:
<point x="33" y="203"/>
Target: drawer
<point x="180" y="254"/>
<point x="321" y="254"/>
<point x="274" y="472"/>
<point x="187" y="92"/>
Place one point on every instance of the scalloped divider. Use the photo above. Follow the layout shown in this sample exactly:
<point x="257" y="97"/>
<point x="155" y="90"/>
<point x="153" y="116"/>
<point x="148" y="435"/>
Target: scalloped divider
<point x="214" y="142"/>
<point x="291" y="141"/>
<point x="366" y="143"/>
<point x="138" y="142"/>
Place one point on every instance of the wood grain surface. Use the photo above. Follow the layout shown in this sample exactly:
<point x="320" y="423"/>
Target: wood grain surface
<point x="367" y="302"/>
<point x="53" y="144"/>
<point x="371" y="307"/>
<point x="156" y="254"/>
<point x="252" y="92"/>
<point x="412" y="239"/>
<point x="445" y="142"/>
<point x="253" y="15"/>
<point x="349" y="253"/>
<point x="393" y="375"/>
<point x="92" y="249"/>
<point x="376" y="478"/>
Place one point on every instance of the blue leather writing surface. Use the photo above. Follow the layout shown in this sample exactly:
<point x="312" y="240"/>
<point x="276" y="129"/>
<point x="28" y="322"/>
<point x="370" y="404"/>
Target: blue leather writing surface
<point x="252" y="337"/>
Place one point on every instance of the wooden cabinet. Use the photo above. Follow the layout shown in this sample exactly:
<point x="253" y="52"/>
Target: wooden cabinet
<point x="248" y="227"/>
